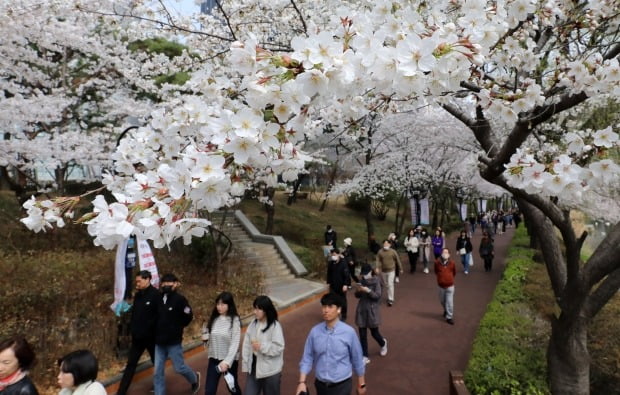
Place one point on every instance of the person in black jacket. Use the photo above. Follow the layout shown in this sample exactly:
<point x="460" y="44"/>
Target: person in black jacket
<point x="16" y="359"/>
<point x="464" y="248"/>
<point x="173" y="315"/>
<point x="339" y="279"/>
<point x="142" y="325"/>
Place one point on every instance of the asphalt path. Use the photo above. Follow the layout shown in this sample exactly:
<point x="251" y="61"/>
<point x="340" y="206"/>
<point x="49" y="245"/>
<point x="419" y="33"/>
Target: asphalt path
<point x="422" y="347"/>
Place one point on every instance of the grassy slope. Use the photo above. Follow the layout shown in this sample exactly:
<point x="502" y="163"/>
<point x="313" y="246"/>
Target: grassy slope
<point x="61" y="285"/>
<point x="509" y="351"/>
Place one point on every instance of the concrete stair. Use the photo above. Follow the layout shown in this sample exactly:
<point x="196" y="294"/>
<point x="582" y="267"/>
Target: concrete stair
<point x="279" y="282"/>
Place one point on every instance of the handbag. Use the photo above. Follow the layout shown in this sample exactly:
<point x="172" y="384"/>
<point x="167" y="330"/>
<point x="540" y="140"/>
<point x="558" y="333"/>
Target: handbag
<point x="471" y="259"/>
<point x="462" y="251"/>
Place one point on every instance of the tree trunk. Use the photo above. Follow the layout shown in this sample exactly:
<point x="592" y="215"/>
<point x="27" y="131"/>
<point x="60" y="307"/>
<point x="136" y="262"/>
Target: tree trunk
<point x="567" y="356"/>
<point x="270" y="209"/>
<point x="332" y="178"/>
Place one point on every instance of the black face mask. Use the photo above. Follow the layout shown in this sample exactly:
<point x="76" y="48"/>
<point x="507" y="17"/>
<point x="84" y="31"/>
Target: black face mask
<point x="166" y="289"/>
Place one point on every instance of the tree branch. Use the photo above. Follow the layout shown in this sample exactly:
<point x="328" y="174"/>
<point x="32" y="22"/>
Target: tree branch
<point x="551" y="250"/>
<point x="604" y="259"/>
<point x="227" y="18"/>
<point x="604" y="292"/>
<point x="301" y="17"/>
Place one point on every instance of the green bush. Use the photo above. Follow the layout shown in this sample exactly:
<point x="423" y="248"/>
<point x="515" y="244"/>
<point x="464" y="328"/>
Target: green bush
<point x="508" y="357"/>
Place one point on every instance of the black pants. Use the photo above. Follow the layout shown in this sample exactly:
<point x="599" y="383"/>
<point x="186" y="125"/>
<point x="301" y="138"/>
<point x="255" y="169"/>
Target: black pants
<point x="374" y="332"/>
<point x="413" y="260"/>
<point x="135" y="352"/>
<point x="488" y="262"/>
<point x="341" y="388"/>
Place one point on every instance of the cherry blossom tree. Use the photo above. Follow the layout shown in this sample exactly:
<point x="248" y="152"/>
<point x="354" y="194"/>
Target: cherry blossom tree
<point x="69" y="81"/>
<point x="505" y="69"/>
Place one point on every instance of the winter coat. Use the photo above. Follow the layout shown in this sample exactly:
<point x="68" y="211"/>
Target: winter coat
<point x="330" y="238"/>
<point x="270" y="357"/>
<point x="338" y="275"/>
<point x="172" y="317"/>
<point x="486" y="247"/>
<point x="22" y="387"/>
<point x="144" y="313"/>
<point x="367" y="312"/>
<point x="445" y="272"/>
<point x="438" y="244"/>
<point x="463" y="243"/>
<point x="412" y="243"/>
<point x="87" y="388"/>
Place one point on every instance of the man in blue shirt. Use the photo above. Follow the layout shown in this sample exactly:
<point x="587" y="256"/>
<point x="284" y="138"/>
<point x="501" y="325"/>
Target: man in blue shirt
<point x="334" y="350"/>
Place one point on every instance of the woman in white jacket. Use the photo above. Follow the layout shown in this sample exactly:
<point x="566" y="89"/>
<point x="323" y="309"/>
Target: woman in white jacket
<point x="263" y="350"/>
<point x="78" y="374"/>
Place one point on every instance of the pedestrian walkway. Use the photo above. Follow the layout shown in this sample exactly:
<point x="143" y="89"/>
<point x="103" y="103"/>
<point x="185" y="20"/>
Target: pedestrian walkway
<point x="423" y="348"/>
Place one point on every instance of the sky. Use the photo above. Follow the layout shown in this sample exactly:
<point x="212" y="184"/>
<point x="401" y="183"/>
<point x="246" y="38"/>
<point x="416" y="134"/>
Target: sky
<point x="183" y="7"/>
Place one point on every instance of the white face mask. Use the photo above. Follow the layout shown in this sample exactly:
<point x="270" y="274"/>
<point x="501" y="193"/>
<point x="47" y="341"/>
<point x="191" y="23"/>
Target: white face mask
<point x="368" y="276"/>
<point x="386" y="247"/>
<point x="334" y="258"/>
<point x="445" y="257"/>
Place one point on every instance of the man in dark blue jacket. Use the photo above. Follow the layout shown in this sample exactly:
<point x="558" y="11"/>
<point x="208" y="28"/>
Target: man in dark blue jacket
<point x="174" y="314"/>
<point x="142" y="325"/>
<point x="338" y="279"/>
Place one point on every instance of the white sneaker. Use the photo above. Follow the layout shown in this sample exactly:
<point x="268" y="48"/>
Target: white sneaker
<point x="396" y="280"/>
<point x="366" y="360"/>
<point x="426" y="270"/>
<point x="384" y="348"/>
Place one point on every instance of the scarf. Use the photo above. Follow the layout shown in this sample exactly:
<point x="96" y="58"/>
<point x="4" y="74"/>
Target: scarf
<point x="12" y="379"/>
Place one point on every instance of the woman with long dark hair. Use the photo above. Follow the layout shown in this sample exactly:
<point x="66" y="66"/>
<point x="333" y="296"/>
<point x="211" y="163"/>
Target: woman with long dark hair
<point x="224" y="335"/>
<point x="263" y="350"/>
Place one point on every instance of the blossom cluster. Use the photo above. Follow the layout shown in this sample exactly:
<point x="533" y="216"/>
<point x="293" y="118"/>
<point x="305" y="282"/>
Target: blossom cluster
<point x="244" y="119"/>
<point x="562" y="177"/>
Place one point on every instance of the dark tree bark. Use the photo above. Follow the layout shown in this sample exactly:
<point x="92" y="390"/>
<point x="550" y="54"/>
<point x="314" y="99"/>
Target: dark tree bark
<point x="581" y="288"/>
<point x="270" y="209"/>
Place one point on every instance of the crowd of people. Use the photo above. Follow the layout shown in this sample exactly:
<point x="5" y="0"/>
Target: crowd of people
<point x="332" y="349"/>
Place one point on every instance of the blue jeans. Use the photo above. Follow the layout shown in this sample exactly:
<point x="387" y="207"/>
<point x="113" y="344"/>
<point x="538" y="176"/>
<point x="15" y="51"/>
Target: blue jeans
<point x="465" y="261"/>
<point x="446" y="297"/>
<point x="175" y="353"/>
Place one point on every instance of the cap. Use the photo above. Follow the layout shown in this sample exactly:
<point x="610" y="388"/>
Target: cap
<point x="348" y="241"/>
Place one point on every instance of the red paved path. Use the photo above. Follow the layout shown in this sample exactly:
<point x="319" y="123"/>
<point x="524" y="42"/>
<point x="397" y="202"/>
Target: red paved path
<point x="423" y="348"/>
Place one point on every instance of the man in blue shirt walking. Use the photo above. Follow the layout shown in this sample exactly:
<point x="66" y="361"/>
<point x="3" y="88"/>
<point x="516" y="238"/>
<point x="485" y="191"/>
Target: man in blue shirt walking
<point x="334" y="350"/>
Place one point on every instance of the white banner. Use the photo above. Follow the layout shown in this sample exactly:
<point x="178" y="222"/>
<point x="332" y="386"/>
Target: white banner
<point x="424" y="212"/>
<point x="147" y="261"/>
<point x="462" y="210"/>
<point x="482" y="205"/>
<point x="119" y="275"/>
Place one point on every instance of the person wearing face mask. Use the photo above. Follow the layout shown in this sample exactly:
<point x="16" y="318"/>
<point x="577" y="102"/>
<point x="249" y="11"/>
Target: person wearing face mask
<point x="339" y="279"/>
<point x="173" y="315"/>
<point x="367" y="314"/>
<point x="445" y="270"/>
<point x="388" y="262"/>
<point x="425" y="249"/>
<point x="142" y="324"/>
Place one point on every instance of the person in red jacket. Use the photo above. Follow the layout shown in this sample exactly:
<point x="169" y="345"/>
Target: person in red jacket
<point x="445" y="270"/>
